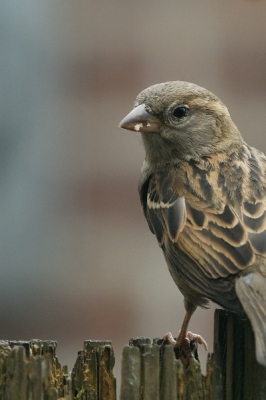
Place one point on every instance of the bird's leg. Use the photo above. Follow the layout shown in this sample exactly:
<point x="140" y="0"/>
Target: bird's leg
<point x="182" y="333"/>
<point x="184" y="337"/>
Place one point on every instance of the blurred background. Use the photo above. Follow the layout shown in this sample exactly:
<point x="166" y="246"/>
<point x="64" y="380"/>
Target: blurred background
<point x="77" y="259"/>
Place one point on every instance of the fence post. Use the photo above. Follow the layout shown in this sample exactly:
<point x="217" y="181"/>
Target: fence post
<point x="30" y="370"/>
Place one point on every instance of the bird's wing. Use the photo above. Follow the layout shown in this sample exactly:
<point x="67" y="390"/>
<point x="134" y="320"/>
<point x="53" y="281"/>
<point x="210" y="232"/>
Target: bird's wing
<point x="165" y="210"/>
<point x="254" y="220"/>
<point x="251" y="288"/>
<point x="210" y="218"/>
<point x="182" y="230"/>
<point x="251" y="291"/>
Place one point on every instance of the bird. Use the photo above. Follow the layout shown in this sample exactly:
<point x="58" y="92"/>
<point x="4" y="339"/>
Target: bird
<point x="203" y="193"/>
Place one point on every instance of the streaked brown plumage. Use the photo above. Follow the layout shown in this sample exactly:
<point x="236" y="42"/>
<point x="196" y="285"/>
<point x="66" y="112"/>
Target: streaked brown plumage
<point x="203" y="193"/>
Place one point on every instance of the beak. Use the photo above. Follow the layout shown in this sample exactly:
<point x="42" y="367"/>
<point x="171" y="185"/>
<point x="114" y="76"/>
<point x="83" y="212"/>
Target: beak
<point x="139" y="120"/>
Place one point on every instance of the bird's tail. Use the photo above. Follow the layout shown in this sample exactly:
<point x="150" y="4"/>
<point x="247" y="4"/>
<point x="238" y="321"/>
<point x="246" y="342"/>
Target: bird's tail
<point x="251" y="291"/>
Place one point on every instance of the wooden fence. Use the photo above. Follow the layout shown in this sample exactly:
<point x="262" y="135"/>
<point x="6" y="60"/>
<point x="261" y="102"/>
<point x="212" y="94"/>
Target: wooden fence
<point x="150" y="369"/>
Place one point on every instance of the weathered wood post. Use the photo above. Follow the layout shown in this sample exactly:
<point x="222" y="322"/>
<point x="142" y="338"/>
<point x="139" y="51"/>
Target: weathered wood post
<point x="150" y="370"/>
<point x="232" y="370"/>
<point x="237" y="375"/>
<point x="30" y="370"/>
<point x="92" y="376"/>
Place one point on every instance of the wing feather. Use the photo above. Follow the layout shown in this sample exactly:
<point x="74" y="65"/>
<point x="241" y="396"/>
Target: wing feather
<point x="175" y="218"/>
<point x="210" y="221"/>
<point x="258" y="242"/>
<point x="234" y="235"/>
<point x="155" y="224"/>
<point x="166" y="211"/>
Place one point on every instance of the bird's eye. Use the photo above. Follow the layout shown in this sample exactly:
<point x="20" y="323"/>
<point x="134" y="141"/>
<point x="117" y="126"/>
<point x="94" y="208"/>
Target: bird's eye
<point x="180" y="112"/>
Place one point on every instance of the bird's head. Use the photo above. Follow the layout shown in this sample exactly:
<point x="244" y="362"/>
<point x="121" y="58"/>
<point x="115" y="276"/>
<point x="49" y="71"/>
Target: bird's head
<point x="181" y="121"/>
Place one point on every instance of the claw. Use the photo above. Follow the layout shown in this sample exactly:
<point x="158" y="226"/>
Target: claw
<point x="168" y="336"/>
<point x="200" y="340"/>
<point x="190" y="336"/>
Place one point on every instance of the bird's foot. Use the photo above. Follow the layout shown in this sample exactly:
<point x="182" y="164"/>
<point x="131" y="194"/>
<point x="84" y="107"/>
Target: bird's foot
<point x="186" y="344"/>
<point x="189" y="336"/>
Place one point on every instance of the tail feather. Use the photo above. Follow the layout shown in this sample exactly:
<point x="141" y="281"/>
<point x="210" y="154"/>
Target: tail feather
<point x="251" y="291"/>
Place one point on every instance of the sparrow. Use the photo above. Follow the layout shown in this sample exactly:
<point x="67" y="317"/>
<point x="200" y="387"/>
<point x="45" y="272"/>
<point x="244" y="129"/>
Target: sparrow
<point x="203" y="194"/>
